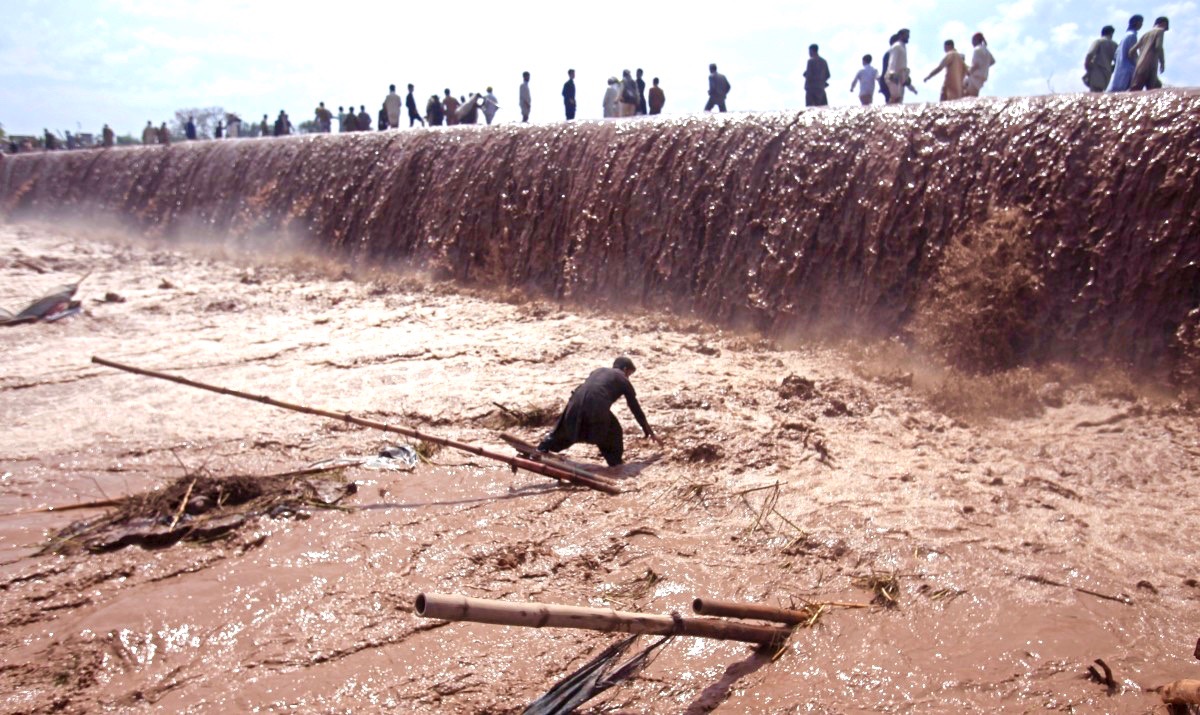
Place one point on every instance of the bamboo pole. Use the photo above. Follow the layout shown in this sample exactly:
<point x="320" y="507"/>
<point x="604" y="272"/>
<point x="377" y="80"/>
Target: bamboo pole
<point x="732" y="609"/>
<point x="545" y="615"/>
<point x="1181" y="692"/>
<point x="545" y="470"/>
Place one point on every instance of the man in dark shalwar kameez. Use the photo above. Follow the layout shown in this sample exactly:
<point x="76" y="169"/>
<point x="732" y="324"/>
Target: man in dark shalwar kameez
<point x="587" y="417"/>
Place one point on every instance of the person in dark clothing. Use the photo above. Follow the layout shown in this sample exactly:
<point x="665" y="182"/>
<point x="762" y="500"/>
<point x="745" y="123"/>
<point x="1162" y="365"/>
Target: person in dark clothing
<point x="588" y="418"/>
<point x="414" y="114"/>
<point x="434" y="114"/>
<point x="816" y="79"/>
<point x="718" y="89"/>
<point x="641" y="85"/>
<point x="383" y="118"/>
<point x="568" y="95"/>
<point x="189" y="130"/>
<point x="364" y="119"/>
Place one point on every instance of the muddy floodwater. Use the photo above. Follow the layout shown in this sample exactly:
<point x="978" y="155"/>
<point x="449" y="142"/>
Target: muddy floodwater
<point x="1023" y="547"/>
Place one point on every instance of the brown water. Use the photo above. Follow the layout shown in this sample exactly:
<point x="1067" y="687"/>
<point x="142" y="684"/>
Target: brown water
<point x="315" y="615"/>
<point x="821" y="221"/>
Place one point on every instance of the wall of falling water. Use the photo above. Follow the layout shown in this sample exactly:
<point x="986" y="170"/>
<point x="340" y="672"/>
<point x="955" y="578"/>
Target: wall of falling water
<point x="830" y="221"/>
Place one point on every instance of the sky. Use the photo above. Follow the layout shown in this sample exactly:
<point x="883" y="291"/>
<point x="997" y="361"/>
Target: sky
<point x="75" y="65"/>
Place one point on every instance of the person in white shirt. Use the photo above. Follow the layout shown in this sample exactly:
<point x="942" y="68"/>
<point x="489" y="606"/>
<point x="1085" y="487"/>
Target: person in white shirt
<point x="612" y="97"/>
<point x="391" y="106"/>
<point x="865" y="81"/>
<point x="897" y="73"/>
<point x="525" y="99"/>
<point x="490" y="105"/>
<point x="981" y="62"/>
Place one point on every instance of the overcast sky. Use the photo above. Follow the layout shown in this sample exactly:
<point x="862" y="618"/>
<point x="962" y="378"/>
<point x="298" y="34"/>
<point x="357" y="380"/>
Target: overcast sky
<point x="73" y="66"/>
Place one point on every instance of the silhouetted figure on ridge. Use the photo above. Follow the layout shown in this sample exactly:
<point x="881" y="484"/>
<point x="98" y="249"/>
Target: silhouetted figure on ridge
<point x="865" y="81"/>
<point x="657" y="98"/>
<point x="1151" y="57"/>
<point x="324" y="118"/>
<point x="392" y="104"/>
<point x="364" y="119"/>
<point x="568" y="95"/>
<point x="1100" y="60"/>
<point x="1123" y="75"/>
<point x="629" y="94"/>
<point x="718" y="89"/>
<point x="641" y="86"/>
<point x="981" y="65"/>
<point x="414" y="114"/>
<point x="524" y="98"/>
<point x="189" y="129"/>
<point x="149" y="136"/>
<point x="816" y="79"/>
<point x="450" y="107"/>
<point x="108" y="138"/>
<point x="433" y="111"/>
<point x="219" y="130"/>
<point x="612" y="98"/>
<point x="897" y="68"/>
<point x="383" y="118"/>
<point x="468" y="111"/>
<point x="490" y="105"/>
<point x="955" y="66"/>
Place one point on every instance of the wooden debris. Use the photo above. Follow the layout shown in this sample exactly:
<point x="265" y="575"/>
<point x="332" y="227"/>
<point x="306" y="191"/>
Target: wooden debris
<point x="545" y="470"/>
<point x="544" y="615"/>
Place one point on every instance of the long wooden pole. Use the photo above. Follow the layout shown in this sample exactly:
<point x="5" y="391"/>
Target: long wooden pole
<point x="545" y="470"/>
<point x="758" y="611"/>
<point x="545" y="615"/>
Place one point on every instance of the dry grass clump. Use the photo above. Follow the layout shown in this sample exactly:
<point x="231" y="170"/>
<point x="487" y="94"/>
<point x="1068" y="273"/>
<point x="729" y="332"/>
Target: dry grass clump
<point x="885" y="586"/>
<point x="531" y="416"/>
<point x="979" y="313"/>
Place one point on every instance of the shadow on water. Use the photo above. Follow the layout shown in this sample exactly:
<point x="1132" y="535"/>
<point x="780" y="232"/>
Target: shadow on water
<point x="715" y="694"/>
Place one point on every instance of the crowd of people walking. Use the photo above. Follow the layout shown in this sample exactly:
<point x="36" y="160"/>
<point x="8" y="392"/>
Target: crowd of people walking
<point x="1133" y="64"/>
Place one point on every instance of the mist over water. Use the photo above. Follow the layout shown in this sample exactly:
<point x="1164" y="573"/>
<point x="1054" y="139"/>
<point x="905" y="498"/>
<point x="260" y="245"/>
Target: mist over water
<point x="821" y="221"/>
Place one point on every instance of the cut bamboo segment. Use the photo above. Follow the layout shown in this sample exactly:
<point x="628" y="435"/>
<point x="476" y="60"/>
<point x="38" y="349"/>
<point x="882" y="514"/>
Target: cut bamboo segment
<point x="544" y="615"/>
<point x="732" y="609"/>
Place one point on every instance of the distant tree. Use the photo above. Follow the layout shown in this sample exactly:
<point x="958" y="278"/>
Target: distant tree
<point x="206" y="119"/>
<point x="128" y="140"/>
<point x="308" y="127"/>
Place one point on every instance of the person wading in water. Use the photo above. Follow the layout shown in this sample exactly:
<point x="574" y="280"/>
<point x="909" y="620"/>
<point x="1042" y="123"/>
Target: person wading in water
<point x="587" y="417"/>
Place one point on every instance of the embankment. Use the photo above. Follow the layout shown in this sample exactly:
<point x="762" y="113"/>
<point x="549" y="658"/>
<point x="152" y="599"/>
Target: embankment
<point x="827" y="221"/>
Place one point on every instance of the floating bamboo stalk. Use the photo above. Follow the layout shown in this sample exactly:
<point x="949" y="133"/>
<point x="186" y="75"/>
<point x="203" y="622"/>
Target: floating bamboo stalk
<point x="545" y="470"/>
<point x="1181" y="692"/>
<point x="544" y="615"/>
<point x="758" y="611"/>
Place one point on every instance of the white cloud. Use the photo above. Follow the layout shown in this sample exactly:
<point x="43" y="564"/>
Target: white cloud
<point x="1066" y="34"/>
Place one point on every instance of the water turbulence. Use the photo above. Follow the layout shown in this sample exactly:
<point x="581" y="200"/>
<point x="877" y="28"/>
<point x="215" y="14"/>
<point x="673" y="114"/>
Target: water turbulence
<point x="832" y="221"/>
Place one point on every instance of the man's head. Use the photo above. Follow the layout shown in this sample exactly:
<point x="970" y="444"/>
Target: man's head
<point x="410" y="88"/>
<point x="447" y="92"/>
<point x="977" y="39"/>
<point x="656" y="81"/>
<point x="571" y="74"/>
<point x="626" y="74"/>
<point x="362" y="108"/>
<point x="1135" y="22"/>
<point x="1163" y="22"/>
<point x="625" y="365"/>
<point x="640" y="73"/>
<point x="391" y="88"/>
<point x="812" y="50"/>
<point x="322" y="105"/>
<point x="712" y="67"/>
<point x="525" y="76"/>
<point x="1107" y="31"/>
<point x="867" y="60"/>
<point x="902" y="36"/>
<point x="948" y="45"/>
